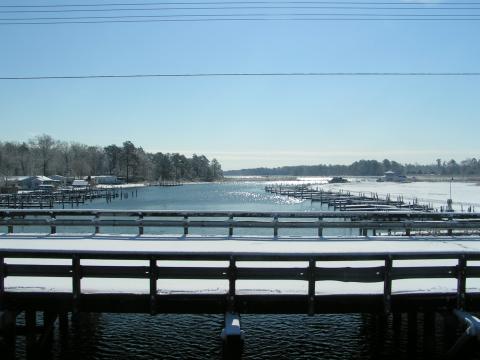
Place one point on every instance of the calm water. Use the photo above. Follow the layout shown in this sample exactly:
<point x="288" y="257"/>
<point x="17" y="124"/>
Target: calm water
<point x="357" y="336"/>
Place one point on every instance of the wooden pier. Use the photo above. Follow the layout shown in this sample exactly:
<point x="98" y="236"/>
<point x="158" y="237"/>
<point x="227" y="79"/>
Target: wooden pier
<point x="181" y="255"/>
<point x="62" y="198"/>
<point x="346" y="200"/>
<point x="166" y="183"/>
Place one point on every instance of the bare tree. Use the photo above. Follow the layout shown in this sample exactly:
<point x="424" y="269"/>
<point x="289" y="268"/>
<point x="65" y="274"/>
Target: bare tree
<point x="45" y="146"/>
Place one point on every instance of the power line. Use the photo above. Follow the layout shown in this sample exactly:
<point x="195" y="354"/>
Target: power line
<point x="231" y="15"/>
<point x="235" y="8"/>
<point x="253" y="19"/>
<point x="241" y="2"/>
<point x="253" y="74"/>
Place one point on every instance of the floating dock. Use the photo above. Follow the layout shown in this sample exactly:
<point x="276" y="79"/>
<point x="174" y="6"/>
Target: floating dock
<point x="345" y="200"/>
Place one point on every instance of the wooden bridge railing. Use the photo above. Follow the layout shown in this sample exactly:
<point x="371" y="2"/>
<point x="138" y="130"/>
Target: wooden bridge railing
<point x="311" y="272"/>
<point x="405" y="221"/>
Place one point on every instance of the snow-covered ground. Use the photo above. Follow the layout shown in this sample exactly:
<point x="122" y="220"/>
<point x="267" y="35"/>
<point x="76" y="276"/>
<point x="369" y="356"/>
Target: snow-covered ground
<point x="249" y="245"/>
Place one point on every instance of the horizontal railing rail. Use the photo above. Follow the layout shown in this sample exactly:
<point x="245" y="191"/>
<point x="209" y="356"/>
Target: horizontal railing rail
<point x="405" y="221"/>
<point x="311" y="269"/>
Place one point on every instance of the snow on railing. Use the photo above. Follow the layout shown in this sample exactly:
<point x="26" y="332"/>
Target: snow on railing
<point x="403" y="221"/>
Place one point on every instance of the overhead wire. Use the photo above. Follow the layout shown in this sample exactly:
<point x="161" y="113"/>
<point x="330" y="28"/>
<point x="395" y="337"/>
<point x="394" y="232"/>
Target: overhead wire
<point x="249" y="74"/>
<point x="240" y="2"/>
<point x="233" y="8"/>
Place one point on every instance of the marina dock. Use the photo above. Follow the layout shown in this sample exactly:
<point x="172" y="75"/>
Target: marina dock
<point x="62" y="198"/>
<point x="346" y="200"/>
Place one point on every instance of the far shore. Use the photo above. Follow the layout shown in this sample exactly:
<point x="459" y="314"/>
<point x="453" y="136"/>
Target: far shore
<point x="411" y="178"/>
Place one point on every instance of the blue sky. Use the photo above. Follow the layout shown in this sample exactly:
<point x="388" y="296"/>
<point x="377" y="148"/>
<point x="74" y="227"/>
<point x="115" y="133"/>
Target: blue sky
<point x="249" y="122"/>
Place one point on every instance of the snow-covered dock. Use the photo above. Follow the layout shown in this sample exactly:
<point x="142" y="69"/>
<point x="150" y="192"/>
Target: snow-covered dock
<point x="430" y="262"/>
<point x="43" y="263"/>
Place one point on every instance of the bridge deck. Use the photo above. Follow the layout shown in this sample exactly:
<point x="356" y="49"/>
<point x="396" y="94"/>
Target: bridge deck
<point x="124" y="253"/>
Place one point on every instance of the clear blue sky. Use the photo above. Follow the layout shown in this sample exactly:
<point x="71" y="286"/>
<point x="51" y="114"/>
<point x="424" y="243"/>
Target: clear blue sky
<point x="249" y="122"/>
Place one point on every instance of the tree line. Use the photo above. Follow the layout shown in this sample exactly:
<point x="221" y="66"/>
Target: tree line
<point x="369" y="168"/>
<point x="43" y="155"/>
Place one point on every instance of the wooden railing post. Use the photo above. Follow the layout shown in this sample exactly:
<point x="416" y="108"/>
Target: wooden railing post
<point x="96" y="220"/>
<point x="387" y="285"/>
<point x="275" y="225"/>
<point x="185" y="225"/>
<point x="153" y="286"/>
<point x="461" y="281"/>
<point x="10" y="226"/>
<point x="140" y="226"/>
<point x="320" y="228"/>
<point x="311" y="286"/>
<point x="230" y="227"/>
<point x="76" y="283"/>
<point x="53" y="228"/>
<point x="2" y="282"/>
<point x="232" y="278"/>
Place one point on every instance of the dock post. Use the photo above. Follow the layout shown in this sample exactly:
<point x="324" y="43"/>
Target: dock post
<point x="428" y="332"/>
<point x="63" y="323"/>
<point x="31" y="336"/>
<point x="232" y="336"/>
<point x="46" y="339"/>
<point x="8" y="327"/>
<point x="397" y="326"/>
<point x="412" y="333"/>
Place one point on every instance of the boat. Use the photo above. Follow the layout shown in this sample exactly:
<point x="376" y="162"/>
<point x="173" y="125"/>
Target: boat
<point x="337" y="180"/>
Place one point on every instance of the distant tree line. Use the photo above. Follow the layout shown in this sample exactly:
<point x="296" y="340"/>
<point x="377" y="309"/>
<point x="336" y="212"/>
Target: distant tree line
<point x="44" y="155"/>
<point x="369" y="168"/>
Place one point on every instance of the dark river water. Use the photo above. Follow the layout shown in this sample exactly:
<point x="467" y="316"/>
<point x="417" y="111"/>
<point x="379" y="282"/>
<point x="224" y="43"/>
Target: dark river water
<point x="335" y="336"/>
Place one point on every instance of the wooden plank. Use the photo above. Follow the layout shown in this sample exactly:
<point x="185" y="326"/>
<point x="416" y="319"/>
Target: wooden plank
<point x="275" y="224"/>
<point x="38" y="270"/>
<point x="271" y="273"/>
<point x="115" y="271"/>
<point x="350" y="274"/>
<point x="419" y="272"/>
<point x="240" y="256"/>
<point x="346" y="274"/>
<point x="226" y="214"/>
